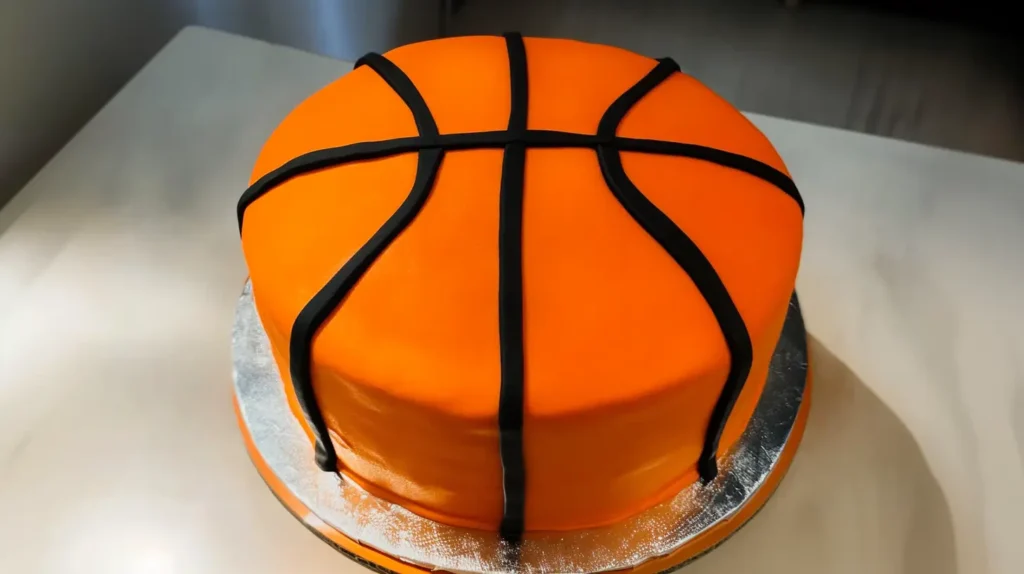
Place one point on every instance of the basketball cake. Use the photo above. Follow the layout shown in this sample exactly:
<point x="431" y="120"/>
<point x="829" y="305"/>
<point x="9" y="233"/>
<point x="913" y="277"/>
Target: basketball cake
<point x="519" y="286"/>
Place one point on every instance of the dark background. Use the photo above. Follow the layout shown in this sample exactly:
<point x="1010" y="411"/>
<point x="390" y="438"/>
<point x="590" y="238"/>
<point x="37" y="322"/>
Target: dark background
<point x="939" y="72"/>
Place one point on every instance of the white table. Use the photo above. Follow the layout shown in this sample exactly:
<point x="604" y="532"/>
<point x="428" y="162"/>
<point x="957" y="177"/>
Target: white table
<point x="120" y="266"/>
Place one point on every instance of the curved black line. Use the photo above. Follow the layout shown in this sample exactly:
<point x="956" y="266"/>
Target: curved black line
<point x="723" y="158"/>
<point x="321" y="159"/>
<point x="327" y="299"/>
<point x="330" y="296"/>
<point x="689" y="257"/>
<point x="330" y="157"/>
<point x="403" y="86"/>
<point x="431" y="147"/>
<point x="620" y="107"/>
<point x="510" y="299"/>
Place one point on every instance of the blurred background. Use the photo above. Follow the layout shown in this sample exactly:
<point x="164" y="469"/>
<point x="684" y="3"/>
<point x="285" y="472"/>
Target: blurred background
<point x="948" y="73"/>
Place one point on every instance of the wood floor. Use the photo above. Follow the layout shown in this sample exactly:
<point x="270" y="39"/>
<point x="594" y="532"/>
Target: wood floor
<point x="906" y="78"/>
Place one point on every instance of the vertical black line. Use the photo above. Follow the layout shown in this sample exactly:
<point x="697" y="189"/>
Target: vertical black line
<point x="330" y="296"/>
<point x="519" y="85"/>
<point x="320" y="159"/>
<point x="510" y="300"/>
<point x="689" y="257"/>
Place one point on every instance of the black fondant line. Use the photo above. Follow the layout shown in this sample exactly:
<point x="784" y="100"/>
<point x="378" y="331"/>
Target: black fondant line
<point x="331" y="157"/>
<point x="689" y="257"/>
<point x="403" y="86"/>
<point x="321" y="159"/>
<point x="620" y="107"/>
<point x="330" y="296"/>
<point x="519" y="83"/>
<point x="431" y="146"/>
<point x="510" y="299"/>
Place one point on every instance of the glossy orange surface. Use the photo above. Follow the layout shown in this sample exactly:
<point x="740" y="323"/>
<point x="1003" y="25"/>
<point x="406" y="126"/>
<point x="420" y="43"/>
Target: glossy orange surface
<point x="624" y="359"/>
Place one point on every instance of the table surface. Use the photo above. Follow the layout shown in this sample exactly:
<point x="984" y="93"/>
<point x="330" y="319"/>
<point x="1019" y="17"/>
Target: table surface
<point x="121" y="267"/>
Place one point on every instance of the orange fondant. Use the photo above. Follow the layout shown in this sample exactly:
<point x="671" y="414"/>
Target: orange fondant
<point x="624" y="359"/>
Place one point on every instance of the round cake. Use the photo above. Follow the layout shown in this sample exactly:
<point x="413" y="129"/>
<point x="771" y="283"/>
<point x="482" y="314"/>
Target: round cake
<point x="521" y="284"/>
